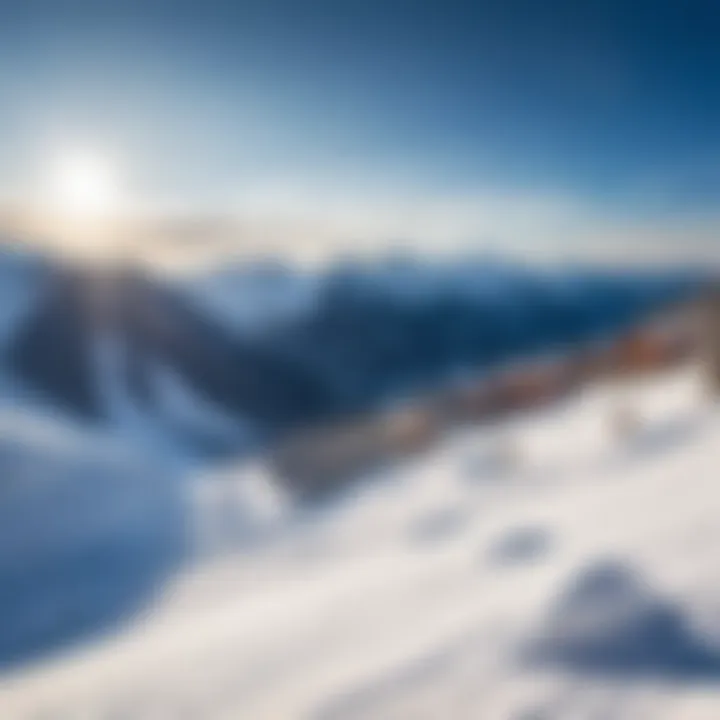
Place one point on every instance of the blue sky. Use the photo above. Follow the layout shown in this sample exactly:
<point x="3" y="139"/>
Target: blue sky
<point x="610" y="107"/>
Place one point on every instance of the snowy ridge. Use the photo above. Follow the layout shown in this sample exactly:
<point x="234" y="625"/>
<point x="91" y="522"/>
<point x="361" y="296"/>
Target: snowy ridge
<point x="425" y="593"/>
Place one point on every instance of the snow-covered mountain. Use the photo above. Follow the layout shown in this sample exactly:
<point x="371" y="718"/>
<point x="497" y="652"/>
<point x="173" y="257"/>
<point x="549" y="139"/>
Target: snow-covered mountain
<point x="132" y="518"/>
<point x="125" y="349"/>
<point x="220" y="361"/>
<point x="579" y="583"/>
<point x="249" y="297"/>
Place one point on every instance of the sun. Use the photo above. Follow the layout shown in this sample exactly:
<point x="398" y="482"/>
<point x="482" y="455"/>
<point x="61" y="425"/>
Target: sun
<point x="81" y="203"/>
<point x="83" y="183"/>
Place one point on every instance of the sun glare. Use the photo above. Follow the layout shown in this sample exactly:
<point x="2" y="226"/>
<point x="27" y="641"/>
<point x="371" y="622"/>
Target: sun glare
<point x="83" y="184"/>
<point x="80" y="203"/>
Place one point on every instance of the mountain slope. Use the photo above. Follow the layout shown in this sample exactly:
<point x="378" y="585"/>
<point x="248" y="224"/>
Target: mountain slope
<point x="344" y="340"/>
<point x="429" y="592"/>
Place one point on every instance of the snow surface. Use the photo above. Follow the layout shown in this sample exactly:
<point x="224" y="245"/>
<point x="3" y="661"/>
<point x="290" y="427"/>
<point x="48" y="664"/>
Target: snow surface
<point x="88" y="530"/>
<point x="176" y="410"/>
<point x="579" y="579"/>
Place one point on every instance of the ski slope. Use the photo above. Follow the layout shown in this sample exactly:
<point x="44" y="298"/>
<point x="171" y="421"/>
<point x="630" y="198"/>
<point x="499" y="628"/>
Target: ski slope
<point x="581" y="580"/>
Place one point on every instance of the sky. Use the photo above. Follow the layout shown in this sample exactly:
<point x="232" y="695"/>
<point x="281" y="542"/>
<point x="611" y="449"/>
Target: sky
<point x="450" y="121"/>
